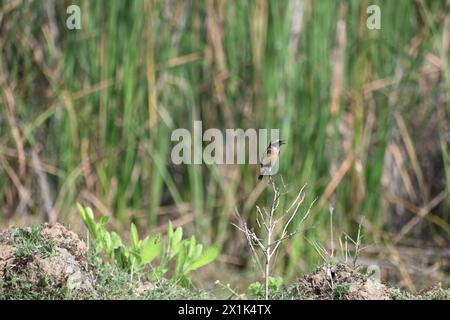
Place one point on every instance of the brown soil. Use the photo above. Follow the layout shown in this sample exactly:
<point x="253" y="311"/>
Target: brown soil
<point x="63" y="265"/>
<point x="338" y="281"/>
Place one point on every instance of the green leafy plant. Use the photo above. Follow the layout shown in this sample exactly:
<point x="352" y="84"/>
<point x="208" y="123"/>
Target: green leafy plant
<point x="101" y="239"/>
<point x="339" y="291"/>
<point x="187" y="253"/>
<point x="257" y="288"/>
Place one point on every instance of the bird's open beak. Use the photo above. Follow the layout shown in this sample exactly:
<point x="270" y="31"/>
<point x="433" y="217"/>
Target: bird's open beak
<point x="282" y="142"/>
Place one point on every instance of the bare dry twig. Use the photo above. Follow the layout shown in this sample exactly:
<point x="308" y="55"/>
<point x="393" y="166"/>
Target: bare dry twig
<point x="265" y="219"/>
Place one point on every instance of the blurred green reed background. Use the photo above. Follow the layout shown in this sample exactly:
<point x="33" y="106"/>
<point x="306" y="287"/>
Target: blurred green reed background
<point x="86" y="115"/>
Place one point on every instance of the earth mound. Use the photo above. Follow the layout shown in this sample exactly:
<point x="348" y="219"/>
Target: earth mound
<point x="46" y="260"/>
<point x="338" y="281"/>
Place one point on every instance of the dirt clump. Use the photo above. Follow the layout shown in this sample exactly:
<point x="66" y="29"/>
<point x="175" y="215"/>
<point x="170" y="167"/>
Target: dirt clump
<point x="338" y="281"/>
<point x="44" y="260"/>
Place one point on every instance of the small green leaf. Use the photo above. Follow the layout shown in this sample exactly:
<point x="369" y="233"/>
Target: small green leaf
<point x="157" y="273"/>
<point x="178" y="235"/>
<point x="116" y="241"/>
<point x="106" y="240"/>
<point x="275" y="283"/>
<point x="81" y="211"/>
<point x="88" y="218"/>
<point x="134" y="237"/>
<point x="198" y="251"/>
<point x="150" y="248"/>
<point x="191" y="246"/>
<point x="185" y="281"/>
<point x="90" y="214"/>
<point x="104" y="220"/>
<point x="206" y="257"/>
<point x="257" y="290"/>
<point x="175" y="242"/>
<point x="164" y="252"/>
<point x="170" y="231"/>
<point x="181" y="258"/>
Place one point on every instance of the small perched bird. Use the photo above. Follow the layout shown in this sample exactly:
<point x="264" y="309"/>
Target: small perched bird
<point x="270" y="157"/>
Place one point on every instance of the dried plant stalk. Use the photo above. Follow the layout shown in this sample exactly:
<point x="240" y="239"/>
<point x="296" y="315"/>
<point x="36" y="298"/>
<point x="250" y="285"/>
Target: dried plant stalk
<point x="266" y="220"/>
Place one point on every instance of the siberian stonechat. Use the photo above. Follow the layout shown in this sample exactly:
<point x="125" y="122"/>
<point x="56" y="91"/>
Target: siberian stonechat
<point x="269" y="158"/>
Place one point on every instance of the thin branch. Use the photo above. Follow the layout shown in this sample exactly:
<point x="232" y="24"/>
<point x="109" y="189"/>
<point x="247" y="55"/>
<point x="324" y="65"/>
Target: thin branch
<point x="266" y="217"/>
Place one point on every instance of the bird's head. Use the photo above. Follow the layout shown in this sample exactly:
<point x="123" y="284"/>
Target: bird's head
<point x="277" y="143"/>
